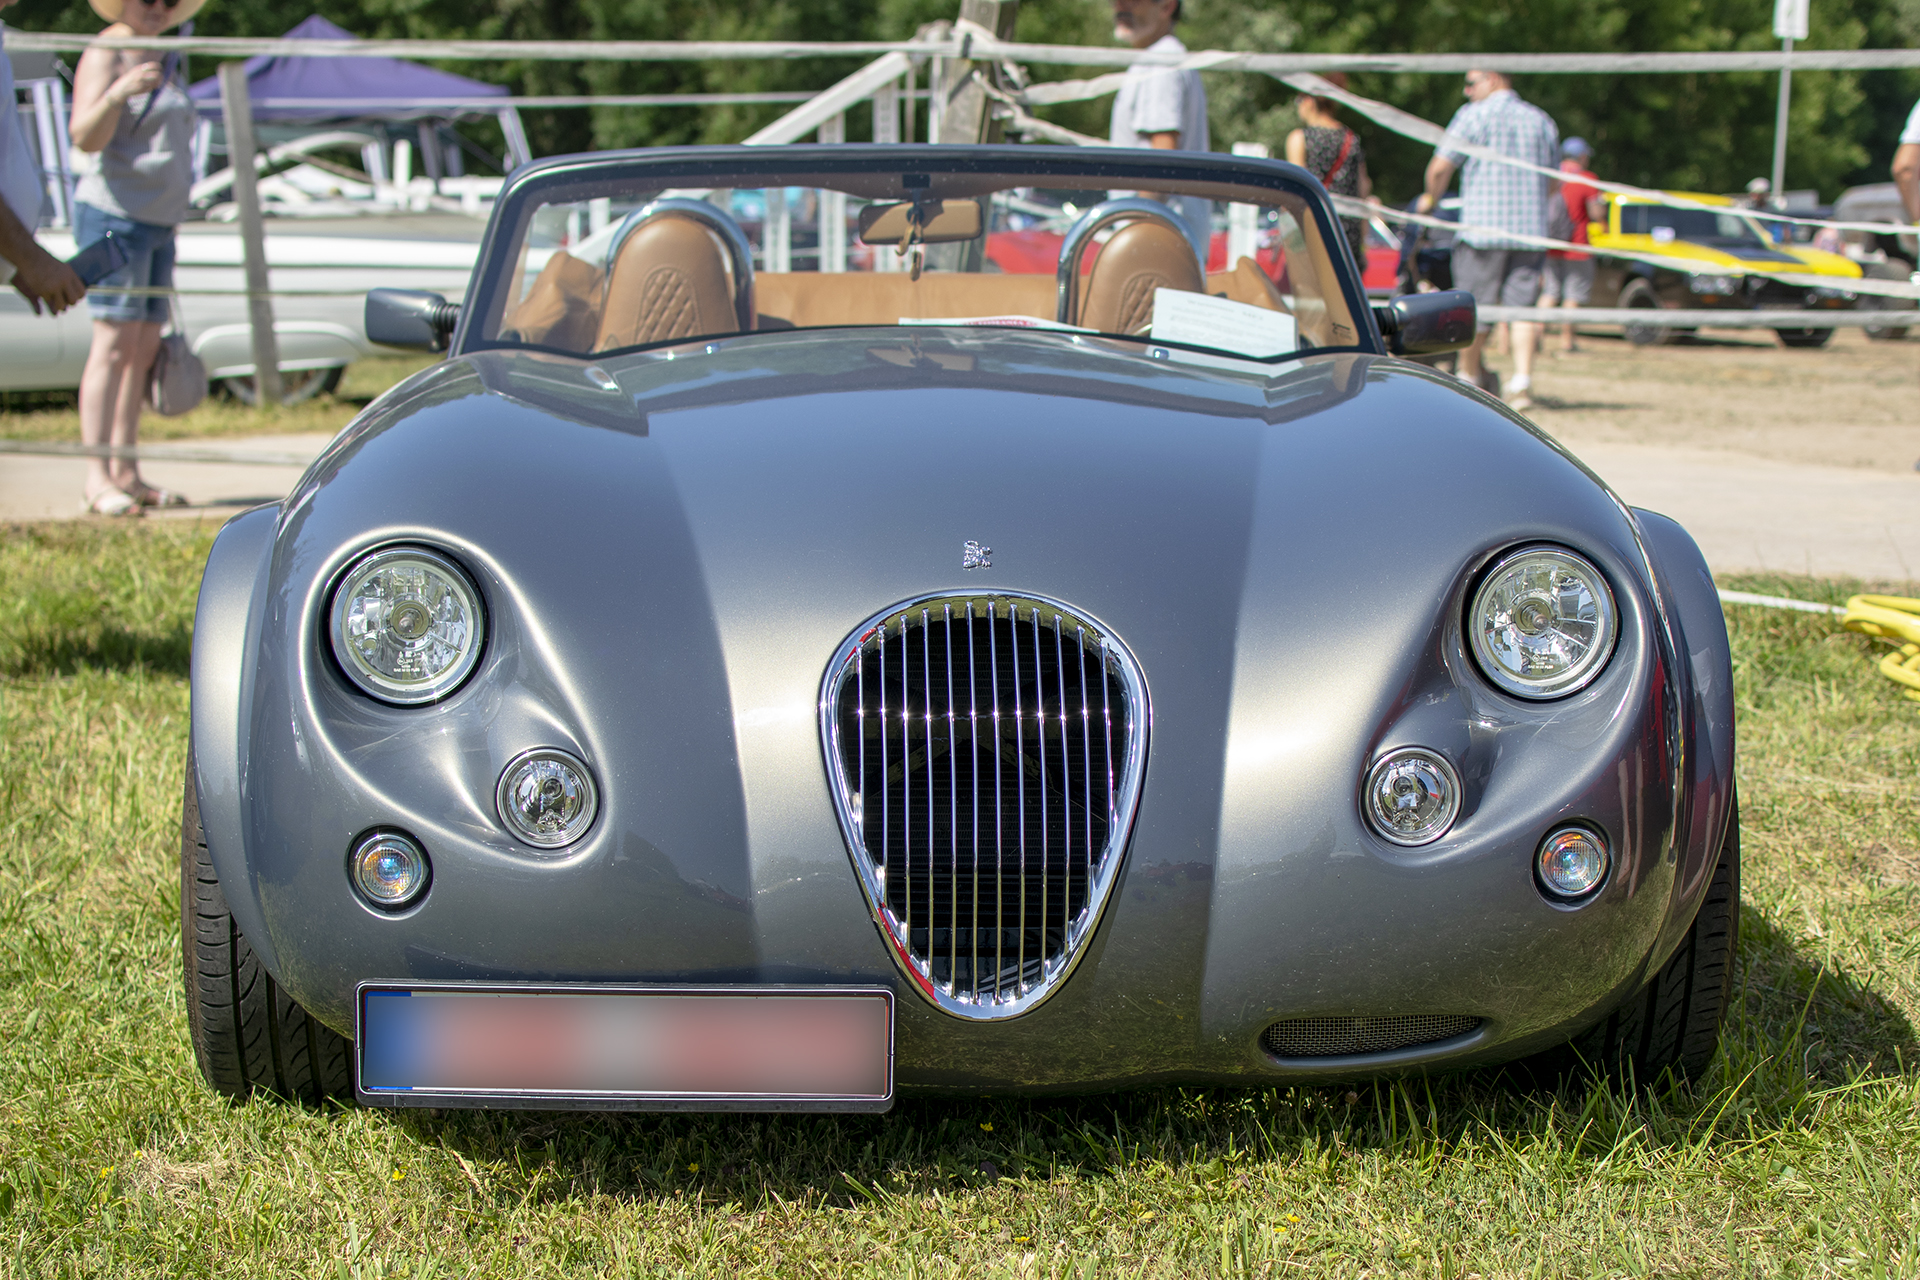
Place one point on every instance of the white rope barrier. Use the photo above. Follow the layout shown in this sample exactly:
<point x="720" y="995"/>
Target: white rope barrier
<point x="1704" y="318"/>
<point x="976" y="42"/>
<point x="1777" y="602"/>
<point x="156" y="453"/>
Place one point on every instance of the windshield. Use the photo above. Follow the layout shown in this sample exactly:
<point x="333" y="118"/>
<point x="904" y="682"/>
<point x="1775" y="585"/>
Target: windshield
<point x="600" y="268"/>
<point x="1702" y="226"/>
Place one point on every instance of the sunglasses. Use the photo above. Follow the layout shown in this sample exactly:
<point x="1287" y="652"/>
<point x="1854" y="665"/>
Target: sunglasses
<point x="171" y="4"/>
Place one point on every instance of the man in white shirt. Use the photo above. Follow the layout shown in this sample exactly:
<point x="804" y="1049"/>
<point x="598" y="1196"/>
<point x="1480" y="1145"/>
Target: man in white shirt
<point x="1906" y="165"/>
<point x="37" y="274"/>
<point x="1160" y="107"/>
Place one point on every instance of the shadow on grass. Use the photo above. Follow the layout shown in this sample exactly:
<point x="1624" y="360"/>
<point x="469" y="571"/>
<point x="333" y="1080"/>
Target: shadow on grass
<point x="1797" y="1033"/>
<point x="35" y="651"/>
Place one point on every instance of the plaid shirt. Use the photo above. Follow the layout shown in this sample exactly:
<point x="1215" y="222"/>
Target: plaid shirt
<point x="1499" y="195"/>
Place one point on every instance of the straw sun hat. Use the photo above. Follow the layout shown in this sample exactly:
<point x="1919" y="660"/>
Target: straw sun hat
<point x="112" y="10"/>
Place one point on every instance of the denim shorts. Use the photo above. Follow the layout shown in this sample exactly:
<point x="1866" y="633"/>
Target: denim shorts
<point x="149" y="265"/>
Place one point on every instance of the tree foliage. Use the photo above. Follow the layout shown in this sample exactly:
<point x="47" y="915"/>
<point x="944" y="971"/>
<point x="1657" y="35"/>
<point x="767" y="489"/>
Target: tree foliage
<point x="1698" y="132"/>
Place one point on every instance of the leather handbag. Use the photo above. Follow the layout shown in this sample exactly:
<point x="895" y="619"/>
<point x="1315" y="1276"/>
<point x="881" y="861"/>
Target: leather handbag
<point x="179" y="379"/>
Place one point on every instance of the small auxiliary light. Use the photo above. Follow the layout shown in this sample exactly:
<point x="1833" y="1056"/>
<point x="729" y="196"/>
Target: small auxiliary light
<point x="1572" y="861"/>
<point x="389" y="869"/>
<point x="547" y="798"/>
<point x="1412" y="796"/>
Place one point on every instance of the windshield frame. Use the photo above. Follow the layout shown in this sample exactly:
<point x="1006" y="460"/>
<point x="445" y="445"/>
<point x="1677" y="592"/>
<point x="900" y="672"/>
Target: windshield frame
<point x="955" y="169"/>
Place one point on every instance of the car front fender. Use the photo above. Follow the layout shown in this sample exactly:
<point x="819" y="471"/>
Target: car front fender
<point x="1698" y="630"/>
<point x="226" y="629"/>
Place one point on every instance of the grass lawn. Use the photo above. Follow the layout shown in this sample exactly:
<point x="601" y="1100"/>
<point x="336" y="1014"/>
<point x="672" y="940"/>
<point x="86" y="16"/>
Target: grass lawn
<point x="1798" y="1154"/>
<point x="34" y="415"/>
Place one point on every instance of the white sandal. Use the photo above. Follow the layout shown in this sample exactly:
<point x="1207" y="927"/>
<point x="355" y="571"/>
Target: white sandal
<point x="112" y="502"/>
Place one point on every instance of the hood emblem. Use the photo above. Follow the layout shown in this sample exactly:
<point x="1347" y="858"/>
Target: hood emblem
<point x="975" y="556"/>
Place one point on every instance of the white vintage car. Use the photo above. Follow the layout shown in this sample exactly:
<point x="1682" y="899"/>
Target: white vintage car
<point x="321" y="269"/>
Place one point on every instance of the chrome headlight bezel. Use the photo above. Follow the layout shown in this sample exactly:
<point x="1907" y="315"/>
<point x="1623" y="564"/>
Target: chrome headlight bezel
<point x="1583" y="671"/>
<point x="1418" y="762"/>
<point x="586" y="793"/>
<point x="362" y="674"/>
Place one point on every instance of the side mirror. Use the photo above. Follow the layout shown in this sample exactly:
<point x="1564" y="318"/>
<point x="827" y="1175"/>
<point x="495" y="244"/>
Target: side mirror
<point x="1428" y="324"/>
<point x="410" y="318"/>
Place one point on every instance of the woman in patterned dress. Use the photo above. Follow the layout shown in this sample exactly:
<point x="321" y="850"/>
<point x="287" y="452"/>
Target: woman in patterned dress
<point x="1331" y="152"/>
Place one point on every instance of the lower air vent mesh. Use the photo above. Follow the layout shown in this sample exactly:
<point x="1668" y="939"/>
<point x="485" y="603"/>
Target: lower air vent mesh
<point x="1345" y="1037"/>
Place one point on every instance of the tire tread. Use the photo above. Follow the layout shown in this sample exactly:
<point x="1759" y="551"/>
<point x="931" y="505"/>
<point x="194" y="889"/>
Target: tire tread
<point x="249" y="1036"/>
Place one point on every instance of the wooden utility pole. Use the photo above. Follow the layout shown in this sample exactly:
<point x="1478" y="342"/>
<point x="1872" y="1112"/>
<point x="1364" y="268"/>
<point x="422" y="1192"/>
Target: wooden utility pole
<point x="965" y="113"/>
<point x="237" y="105"/>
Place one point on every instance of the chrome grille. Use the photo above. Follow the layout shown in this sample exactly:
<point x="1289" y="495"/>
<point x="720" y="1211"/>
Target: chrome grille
<point x="986" y="754"/>
<point x="1345" y="1037"/>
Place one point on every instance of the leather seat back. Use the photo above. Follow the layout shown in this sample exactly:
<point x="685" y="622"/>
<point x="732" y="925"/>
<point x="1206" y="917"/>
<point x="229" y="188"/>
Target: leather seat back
<point x="1149" y="251"/>
<point x="1117" y="295"/>
<point x="671" y="277"/>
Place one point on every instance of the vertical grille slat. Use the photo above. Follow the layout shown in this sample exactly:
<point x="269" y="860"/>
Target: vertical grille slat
<point x="988" y="885"/>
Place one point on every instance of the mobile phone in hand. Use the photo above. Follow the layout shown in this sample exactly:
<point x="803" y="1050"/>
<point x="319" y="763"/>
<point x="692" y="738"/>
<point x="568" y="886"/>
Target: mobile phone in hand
<point x="100" y="259"/>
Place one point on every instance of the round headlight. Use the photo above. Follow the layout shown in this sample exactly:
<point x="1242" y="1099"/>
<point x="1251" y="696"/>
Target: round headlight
<point x="1573" y="861"/>
<point x="546" y="798"/>
<point x="407" y="626"/>
<point x="388" y="869"/>
<point x="1413" y="796"/>
<point x="1542" y="623"/>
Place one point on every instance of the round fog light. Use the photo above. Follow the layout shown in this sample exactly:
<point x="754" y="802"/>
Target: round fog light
<point x="1412" y="796"/>
<point x="546" y="798"/>
<point x="1573" y="861"/>
<point x="389" y="869"/>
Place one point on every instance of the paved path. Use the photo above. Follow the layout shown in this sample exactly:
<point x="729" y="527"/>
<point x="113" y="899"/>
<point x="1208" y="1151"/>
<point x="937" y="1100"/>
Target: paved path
<point x="1784" y="517"/>
<point x="37" y="488"/>
<point x="1746" y="512"/>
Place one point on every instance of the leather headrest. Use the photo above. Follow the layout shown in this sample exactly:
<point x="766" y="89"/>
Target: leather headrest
<point x="1144" y="255"/>
<point x="669" y="280"/>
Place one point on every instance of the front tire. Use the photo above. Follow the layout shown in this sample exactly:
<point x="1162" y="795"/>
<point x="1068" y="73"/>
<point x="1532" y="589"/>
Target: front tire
<point x="1804" y="337"/>
<point x="248" y="1035"/>
<point x="1673" y="1023"/>
<point x="1639" y="295"/>
<point x="1891" y="269"/>
<point x="296" y="385"/>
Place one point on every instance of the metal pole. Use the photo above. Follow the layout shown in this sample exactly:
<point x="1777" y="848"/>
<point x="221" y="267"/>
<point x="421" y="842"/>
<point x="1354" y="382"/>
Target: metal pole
<point x="237" y="106"/>
<point x="1780" y="125"/>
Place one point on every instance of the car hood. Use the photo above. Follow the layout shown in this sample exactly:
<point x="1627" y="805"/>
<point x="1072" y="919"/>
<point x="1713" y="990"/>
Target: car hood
<point x="675" y="543"/>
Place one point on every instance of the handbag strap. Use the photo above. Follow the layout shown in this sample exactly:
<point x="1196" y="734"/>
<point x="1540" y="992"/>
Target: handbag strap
<point x="169" y="66"/>
<point x="1346" y="149"/>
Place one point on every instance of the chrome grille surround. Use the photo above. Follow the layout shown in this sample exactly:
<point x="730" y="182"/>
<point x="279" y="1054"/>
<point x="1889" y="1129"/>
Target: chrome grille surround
<point x="1354" y="1037"/>
<point x="985" y="878"/>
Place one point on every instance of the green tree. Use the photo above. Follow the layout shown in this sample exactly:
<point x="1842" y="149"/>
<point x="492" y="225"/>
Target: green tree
<point x="1698" y="132"/>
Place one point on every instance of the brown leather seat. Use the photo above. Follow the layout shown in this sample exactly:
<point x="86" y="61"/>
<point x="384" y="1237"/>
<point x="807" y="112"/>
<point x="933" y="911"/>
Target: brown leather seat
<point x="561" y="309"/>
<point x="671" y="278"/>
<point x="1144" y="255"/>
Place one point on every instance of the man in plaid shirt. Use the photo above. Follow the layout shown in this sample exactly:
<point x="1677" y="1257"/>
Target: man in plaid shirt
<point x="1497" y="269"/>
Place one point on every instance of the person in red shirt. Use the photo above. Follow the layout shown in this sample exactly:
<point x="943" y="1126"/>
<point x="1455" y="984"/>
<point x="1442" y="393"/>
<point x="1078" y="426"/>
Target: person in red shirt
<point x="1568" y="281"/>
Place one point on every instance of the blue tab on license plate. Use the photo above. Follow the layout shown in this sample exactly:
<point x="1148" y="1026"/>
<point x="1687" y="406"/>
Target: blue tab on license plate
<point x="667" y="1048"/>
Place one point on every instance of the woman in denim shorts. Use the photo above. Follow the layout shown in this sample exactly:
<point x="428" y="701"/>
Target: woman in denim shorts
<point x="131" y="114"/>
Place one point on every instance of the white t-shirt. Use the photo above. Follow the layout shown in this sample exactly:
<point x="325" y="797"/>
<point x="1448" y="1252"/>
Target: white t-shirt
<point x="1912" y="132"/>
<point x="20" y="184"/>
<point x="1161" y="99"/>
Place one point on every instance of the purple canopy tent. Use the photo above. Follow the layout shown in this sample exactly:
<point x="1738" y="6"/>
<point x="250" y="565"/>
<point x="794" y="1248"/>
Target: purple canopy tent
<point x="315" y="90"/>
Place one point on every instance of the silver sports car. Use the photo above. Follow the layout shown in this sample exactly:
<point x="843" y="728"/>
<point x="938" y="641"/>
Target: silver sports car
<point x="721" y="685"/>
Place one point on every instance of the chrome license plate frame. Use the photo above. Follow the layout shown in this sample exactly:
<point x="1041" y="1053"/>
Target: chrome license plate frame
<point x="380" y="1081"/>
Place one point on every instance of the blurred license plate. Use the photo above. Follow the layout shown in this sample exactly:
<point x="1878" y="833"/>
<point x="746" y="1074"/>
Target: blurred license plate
<point x="666" y="1048"/>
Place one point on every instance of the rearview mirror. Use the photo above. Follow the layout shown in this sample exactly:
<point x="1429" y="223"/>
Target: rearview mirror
<point x="410" y="318"/>
<point x="1428" y="324"/>
<point x="941" y="222"/>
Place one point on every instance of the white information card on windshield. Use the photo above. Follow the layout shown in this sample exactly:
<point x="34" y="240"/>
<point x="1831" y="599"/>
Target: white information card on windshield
<point x="1224" y="325"/>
